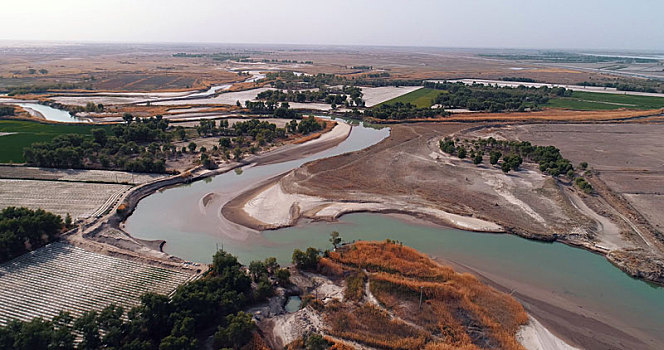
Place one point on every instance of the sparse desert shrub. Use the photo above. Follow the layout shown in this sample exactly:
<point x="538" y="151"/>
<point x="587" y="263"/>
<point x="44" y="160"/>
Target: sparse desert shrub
<point x="355" y="286"/>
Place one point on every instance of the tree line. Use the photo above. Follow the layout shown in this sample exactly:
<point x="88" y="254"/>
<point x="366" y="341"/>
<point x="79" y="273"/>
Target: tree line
<point x="347" y="95"/>
<point x="400" y="111"/>
<point x="513" y="154"/>
<point x="7" y="111"/>
<point x="139" y="145"/>
<point x="490" y="98"/>
<point x="23" y="230"/>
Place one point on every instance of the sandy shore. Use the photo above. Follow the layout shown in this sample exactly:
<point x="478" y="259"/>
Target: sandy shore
<point x="552" y="316"/>
<point x="268" y="206"/>
<point x="534" y="336"/>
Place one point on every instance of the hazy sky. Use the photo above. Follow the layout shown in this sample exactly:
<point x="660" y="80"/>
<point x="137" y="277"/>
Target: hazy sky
<point x="590" y="24"/>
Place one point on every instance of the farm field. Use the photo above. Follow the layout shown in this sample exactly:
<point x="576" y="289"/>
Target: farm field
<point x="61" y="277"/>
<point x="21" y="134"/>
<point x="422" y="98"/>
<point x="597" y="101"/>
<point x="80" y="200"/>
<point x="377" y="95"/>
<point x="76" y="175"/>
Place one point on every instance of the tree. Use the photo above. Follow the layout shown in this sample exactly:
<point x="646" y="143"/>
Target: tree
<point x="583" y="165"/>
<point x="192" y="147"/>
<point x="99" y="136"/>
<point x="264" y="289"/>
<point x="68" y="221"/>
<point x="178" y="343"/>
<point x="225" y="142"/>
<point x="127" y="118"/>
<point x="271" y="264"/>
<point x="23" y="228"/>
<point x="283" y="277"/>
<point x="182" y="134"/>
<point x="477" y="159"/>
<point x="461" y="152"/>
<point x="237" y="153"/>
<point x="494" y="157"/>
<point x="505" y="167"/>
<point x="257" y="269"/>
<point x="308" y="259"/>
<point x="237" y="331"/>
<point x="315" y="341"/>
<point x="155" y="317"/>
<point x="335" y="239"/>
<point x="89" y="329"/>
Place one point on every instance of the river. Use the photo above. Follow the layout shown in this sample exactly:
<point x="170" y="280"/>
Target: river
<point x="52" y="114"/>
<point x="579" y="277"/>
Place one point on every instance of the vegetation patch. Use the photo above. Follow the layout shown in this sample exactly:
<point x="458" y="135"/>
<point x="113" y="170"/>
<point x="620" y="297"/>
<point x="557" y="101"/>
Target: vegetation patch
<point x="489" y="98"/>
<point x="23" y="230"/>
<point x="456" y="310"/>
<point x="209" y="306"/>
<point x="28" y="132"/>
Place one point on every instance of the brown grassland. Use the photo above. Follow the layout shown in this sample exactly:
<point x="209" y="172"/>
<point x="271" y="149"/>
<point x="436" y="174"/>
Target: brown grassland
<point x="458" y="310"/>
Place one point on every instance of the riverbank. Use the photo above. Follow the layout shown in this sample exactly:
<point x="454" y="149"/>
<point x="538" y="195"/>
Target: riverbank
<point x="407" y="173"/>
<point x="560" y="317"/>
<point x="378" y="291"/>
<point x="107" y="234"/>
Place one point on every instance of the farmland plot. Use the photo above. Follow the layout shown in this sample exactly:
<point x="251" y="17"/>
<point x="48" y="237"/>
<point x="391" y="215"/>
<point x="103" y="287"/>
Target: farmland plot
<point x="61" y="277"/>
<point x="80" y="200"/>
<point x="82" y="175"/>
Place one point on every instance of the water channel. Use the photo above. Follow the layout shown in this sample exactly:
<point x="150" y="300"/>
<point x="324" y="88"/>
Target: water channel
<point x="52" y="114"/>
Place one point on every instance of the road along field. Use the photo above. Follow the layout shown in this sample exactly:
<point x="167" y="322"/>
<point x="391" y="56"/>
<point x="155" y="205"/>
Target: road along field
<point x="61" y="277"/>
<point x="80" y="200"/>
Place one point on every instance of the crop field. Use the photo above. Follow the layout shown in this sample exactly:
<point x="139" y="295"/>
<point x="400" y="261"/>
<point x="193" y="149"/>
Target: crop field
<point x="61" y="277"/>
<point x="597" y="101"/>
<point x="80" y="200"/>
<point x="76" y="175"/>
<point x="422" y="98"/>
<point x="25" y="133"/>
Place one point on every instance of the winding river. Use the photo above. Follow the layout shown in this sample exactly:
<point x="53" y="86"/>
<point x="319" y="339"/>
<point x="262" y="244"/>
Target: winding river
<point x="577" y="277"/>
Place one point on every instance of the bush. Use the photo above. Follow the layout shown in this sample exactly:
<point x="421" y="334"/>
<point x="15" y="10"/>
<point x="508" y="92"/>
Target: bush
<point x="306" y="260"/>
<point x="23" y="230"/>
<point x="236" y="332"/>
<point x="494" y="157"/>
<point x="583" y="185"/>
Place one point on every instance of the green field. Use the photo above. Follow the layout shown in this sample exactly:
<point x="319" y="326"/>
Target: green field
<point x="26" y="133"/>
<point x="422" y="98"/>
<point x="586" y="101"/>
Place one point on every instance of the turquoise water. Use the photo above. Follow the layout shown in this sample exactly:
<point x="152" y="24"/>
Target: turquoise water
<point x="293" y="304"/>
<point x="192" y="231"/>
<point x="586" y="279"/>
<point x="580" y="276"/>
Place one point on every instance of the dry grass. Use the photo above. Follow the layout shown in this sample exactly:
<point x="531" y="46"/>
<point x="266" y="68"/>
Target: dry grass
<point x="458" y="310"/>
<point x="545" y="115"/>
<point x="256" y="343"/>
